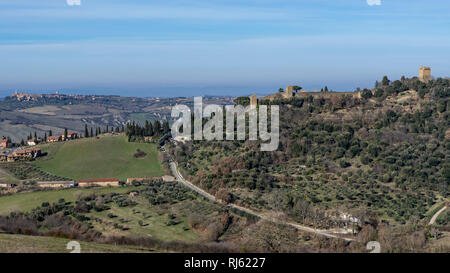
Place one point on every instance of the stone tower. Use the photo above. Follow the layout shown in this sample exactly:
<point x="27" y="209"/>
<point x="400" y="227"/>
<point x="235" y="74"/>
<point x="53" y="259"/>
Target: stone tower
<point x="253" y="101"/>
<point x="289" y="91"/>
<point x="424" y="74"/>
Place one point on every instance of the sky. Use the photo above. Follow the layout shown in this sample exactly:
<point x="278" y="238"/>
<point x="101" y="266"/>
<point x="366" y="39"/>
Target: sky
<point x="162" y="48"/>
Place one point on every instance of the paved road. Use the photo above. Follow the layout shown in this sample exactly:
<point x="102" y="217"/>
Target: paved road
<point x="188" y="184"/>
<point x="436" y="215"/>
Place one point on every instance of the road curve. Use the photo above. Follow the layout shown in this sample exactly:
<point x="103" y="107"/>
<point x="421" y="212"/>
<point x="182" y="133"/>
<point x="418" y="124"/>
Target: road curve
<point x="210" y="197"/>
<point x="436" y="215"/>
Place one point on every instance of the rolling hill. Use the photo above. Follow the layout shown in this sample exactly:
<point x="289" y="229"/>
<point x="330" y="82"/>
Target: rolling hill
<point x="105" y="157"/>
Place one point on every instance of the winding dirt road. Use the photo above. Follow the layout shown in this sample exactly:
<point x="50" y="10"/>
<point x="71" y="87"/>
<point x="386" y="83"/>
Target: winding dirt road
<point x="436" y="215"/>
<point x="210" y="197"/>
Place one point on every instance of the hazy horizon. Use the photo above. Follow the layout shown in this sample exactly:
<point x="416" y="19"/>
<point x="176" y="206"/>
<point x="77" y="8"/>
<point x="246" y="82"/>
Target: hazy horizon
<point x="223" y="47"/>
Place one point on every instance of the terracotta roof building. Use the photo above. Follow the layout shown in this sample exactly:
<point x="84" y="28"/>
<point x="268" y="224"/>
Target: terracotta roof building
<point x="25" y="154"/>
<point x="54" y="138"/>
<point x="4" y="143"/>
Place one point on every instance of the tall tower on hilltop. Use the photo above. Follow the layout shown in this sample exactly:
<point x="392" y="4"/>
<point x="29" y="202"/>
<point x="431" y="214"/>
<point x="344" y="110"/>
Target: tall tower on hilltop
<point x="289" y="91"/>
<point x="424" y="74"/>
<point x="253" y="101"/>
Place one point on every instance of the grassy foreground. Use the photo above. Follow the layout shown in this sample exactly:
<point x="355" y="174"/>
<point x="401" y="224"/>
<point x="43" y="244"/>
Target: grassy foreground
<point x="106" y="157"/>
<point x="11" y="243"/>
<point x="153" y="219"/>
<point x="26" y="201"/>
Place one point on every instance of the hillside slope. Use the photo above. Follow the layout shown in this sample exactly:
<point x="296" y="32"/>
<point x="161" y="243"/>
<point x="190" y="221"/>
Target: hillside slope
<point x="383" y="156"/>
<point x="106" y="157"/>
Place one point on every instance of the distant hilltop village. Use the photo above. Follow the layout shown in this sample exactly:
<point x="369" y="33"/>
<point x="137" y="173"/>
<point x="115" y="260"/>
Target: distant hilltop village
<point x="296" y="91"/>
<point x="24" y="96"/>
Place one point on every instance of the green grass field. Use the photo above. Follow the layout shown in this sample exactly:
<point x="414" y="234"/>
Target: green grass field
<point x="11" y="243"/>
<point x="153" y="223"/>
<point x="106" y="157"/>
<point x="27" y="201"/>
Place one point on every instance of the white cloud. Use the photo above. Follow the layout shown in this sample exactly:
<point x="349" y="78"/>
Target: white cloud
<point x="73" y="2"/>
<point x="374" y="2"/>
<point x="97" y="10"/>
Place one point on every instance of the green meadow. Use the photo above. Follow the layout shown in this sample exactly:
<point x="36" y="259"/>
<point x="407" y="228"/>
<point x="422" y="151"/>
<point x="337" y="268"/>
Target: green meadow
<point x="105" y="157"/>
<point x="26" y="201"/>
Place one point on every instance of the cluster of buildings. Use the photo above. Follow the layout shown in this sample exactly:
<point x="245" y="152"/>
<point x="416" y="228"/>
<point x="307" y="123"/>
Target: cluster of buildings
<point x="25" y="154"/>
<point x="70" y="136"/>
<point x="30" y="153"/>
<point x="24" y="96"/>
<point x="84" y="183"/>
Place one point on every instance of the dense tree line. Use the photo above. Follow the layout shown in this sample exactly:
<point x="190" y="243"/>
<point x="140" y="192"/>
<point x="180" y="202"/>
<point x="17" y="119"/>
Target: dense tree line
<point x="136" y="132"/>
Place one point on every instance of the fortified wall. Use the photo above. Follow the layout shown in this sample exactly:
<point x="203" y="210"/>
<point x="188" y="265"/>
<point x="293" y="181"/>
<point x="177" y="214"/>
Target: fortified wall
<point x="289" y="93"/>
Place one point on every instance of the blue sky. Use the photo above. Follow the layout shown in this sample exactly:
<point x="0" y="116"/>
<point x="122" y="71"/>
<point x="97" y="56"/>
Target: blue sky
<point x="217" y="47"/>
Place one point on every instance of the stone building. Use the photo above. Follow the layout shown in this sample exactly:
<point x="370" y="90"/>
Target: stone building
<point x="424" y="74"/>
<point x="289" y="92"/>
<point x="253" y="101"/>
<point x="54" y="138"/>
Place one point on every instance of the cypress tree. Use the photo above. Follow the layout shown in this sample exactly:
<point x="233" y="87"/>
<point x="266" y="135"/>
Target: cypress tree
<point x="156" y="128"/>
<point x="86" y="133"/>
<point x="385" y="81"/>
<point x="166" y="127"/>
<point x="150" y="129"/>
